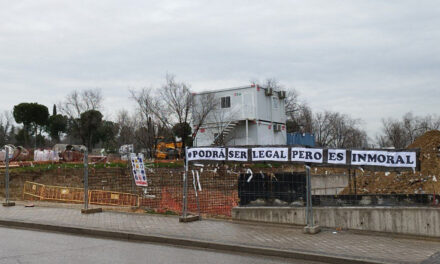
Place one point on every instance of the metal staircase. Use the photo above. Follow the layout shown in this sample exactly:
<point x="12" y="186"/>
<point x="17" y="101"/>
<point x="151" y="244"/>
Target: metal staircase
<point x="227" y="129"/>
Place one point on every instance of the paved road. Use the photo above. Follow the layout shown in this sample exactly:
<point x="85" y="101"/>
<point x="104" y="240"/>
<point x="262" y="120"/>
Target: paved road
<point x="343" y="244"/>
<point x="26" y="246"/>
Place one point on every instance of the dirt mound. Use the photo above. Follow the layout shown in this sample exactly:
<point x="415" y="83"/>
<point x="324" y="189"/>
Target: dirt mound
<point x="429" y="144"/>
<point x="427" y="180"/>
<point x="430" y="141"/>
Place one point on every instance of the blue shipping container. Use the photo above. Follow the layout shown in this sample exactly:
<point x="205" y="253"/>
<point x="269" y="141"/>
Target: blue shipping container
<point x="303" y="139"/>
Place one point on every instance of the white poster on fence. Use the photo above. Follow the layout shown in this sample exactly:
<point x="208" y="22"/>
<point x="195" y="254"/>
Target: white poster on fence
<point x="270" y="154"/>
<point x="206" y="154"/>
<point x="337" y="156"/>
<point x="307" y="155"/>
<point x="383" y="158"/>
<point x="238" y="154"/>
<point x="137" y="165"/>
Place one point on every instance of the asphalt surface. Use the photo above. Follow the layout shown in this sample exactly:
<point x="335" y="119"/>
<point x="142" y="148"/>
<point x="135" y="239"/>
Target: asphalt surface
<point x="231" y="236"/>
<point x="28" y="246"/>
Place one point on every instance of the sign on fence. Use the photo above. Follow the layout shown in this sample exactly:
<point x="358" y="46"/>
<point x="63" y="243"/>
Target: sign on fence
<point x="137" y="165"/>
<point x="383" y="158"/>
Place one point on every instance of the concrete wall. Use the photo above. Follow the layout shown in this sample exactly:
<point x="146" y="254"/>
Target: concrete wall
<point x="419" y="221"/>
<point x="330" y="184"/>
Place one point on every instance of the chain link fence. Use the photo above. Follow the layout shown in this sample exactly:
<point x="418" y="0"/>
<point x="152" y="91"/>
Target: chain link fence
<point x="215" y="188"/>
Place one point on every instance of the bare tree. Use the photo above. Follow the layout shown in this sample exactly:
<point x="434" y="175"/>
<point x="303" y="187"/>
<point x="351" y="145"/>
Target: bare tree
<point x="202" y="107"/>
<point x="300" y="119"/>
<point x="429" y="122"/>
<point x="170" y="106"/>
<point x="147" y="125"/>
<point x="356" y="138"/>
<point x="400" y="133"/>
<point x="292" y="103"/>
<point x="78" y="102"/>
<point x="164" y="109"/>
<point x="393" y="134"/>
<point x="305" y="119"/>
<point x="177" y="102"/>
<point x="322" y="128"/>
<point x="333" y="129"/>
<point x="346" y="133"/>
<point x="6" y="125"/>
<point x="126" y="125"/>
<point x="173" y="107"/>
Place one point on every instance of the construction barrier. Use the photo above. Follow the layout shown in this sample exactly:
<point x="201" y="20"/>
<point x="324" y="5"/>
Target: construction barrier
<point x="112" y="198"/>
<point x="33" y="189"/>
<point x="37" y="191"/>
<point x="62" y="194"/>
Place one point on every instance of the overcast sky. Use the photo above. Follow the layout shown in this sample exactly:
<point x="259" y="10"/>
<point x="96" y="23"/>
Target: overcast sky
<point x="369" y="59"/>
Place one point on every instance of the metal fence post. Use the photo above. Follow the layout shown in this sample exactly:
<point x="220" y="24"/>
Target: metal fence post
<point x="7" y="202"/>
<point x="86" y="180"/>
<point x="310" y="228"/>
<point x="309" y="212"/>
<point x="185" y="185"/>
<point x="7" y="176"/>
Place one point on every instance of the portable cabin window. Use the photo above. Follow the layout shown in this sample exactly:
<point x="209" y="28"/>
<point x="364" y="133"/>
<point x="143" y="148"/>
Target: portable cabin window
<point x="275" y="103"/>
<point x="226" y="102"/>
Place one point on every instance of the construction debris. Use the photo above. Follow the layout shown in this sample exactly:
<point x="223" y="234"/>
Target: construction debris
<point x="408" y="182"/>
<point x="15" y="153"/>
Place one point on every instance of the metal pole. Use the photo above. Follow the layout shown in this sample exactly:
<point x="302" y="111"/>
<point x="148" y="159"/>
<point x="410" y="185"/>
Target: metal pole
<point x="350" y="188"/>
<point x="311" y="201"/>
<point x="309" y="212"/>
<point x="185" y="184"/>
<point x="247" y="132"/>
<point x="7" y="175"/>
<point x="86" y="180"/>
<point x="133" y="183"/>
<point x="355" y="184"/>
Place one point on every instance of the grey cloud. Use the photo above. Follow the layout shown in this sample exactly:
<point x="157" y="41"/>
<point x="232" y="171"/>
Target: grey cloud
<point x="370" y="59"/>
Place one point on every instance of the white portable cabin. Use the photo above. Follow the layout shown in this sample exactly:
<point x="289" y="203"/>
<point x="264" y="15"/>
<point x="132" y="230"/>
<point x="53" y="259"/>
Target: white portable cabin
<point x="249" y="115"/>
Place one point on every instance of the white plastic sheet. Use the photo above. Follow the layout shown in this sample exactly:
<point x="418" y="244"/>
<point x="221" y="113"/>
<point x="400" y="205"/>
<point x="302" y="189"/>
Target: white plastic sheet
<point x="45" y="155"/>
<point x="3" y="154"/>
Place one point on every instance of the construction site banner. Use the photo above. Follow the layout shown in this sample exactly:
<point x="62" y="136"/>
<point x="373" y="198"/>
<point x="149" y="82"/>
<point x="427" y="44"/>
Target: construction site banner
<point x="207" y="154"/>
<point x="238" y="154"/>
<point x="337" y="156"/>
<point x="307" y="155"/>
<point x="378" y="158"/>
<point x="270" y="154"/>
<point x="383" y="158"/>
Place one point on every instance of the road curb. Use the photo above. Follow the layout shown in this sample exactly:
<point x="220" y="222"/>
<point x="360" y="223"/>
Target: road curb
<point x="189" y="243"/>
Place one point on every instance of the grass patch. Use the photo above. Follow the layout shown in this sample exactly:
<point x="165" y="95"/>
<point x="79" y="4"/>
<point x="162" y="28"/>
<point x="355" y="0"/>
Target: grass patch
<point x="55" y="166"/>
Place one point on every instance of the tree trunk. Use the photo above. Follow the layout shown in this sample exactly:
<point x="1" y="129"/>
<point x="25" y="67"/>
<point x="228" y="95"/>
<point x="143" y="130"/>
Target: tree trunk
<point x="36" y="135"/>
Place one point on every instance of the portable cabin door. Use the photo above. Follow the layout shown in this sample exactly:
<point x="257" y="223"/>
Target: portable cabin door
<point x="248" y="102"/>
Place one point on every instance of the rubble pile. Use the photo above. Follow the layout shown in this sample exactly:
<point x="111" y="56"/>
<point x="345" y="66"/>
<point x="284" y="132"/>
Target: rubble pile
<point x="429" y="145"/>
<point x="393" y="183"/>
<point x="425" y="181"/>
